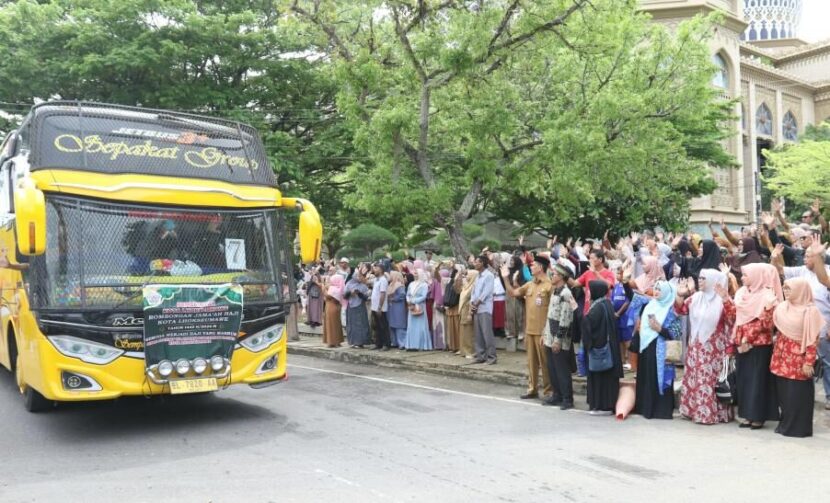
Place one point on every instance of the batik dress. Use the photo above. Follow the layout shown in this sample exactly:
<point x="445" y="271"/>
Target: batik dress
<point x="704" y="362"/>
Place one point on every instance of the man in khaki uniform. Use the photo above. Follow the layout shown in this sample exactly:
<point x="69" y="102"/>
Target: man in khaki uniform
<point x="536" y="294"/>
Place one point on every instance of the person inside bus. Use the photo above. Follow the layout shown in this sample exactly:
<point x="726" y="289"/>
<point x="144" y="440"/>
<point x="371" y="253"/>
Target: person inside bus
<point x="208" y="248"/>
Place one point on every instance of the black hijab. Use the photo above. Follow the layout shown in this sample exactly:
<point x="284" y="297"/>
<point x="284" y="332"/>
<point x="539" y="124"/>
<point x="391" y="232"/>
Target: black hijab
<point x="709" y="260"/>
<point x="598" y="289"/>
<point x="599" y="326"/>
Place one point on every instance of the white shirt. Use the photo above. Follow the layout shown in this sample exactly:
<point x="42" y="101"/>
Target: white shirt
<point x="378" y="288"/>
<point x="821" y="296"/>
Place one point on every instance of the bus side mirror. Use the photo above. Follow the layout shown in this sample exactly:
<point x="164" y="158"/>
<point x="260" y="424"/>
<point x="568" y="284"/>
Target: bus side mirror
<point x="30" y="219"/>
<point x="311" y="234"/>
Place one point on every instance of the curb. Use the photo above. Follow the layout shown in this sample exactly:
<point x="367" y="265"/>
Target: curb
<point x="385" y="360"/>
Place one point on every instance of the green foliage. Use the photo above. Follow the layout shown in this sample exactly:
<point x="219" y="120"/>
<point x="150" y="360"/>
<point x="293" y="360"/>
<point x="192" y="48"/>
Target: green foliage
<point x="472" y="231"/>
<point x="369" y="237"/>
<point x="236" y="59"/>
<point x="801" y="171"/>
<point x="603" y="120"/>
<point x="481" y="243"/>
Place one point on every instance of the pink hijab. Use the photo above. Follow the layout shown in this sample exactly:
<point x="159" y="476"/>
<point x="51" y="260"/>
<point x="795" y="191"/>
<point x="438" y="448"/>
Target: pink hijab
<point x="798" y="318"/>
<point x="761" y="290"/>
<point x="652" y="272"/>
<point x="336" y="286"/>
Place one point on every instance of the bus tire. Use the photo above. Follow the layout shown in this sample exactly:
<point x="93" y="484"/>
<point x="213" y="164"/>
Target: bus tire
<point x="33" y="401"/>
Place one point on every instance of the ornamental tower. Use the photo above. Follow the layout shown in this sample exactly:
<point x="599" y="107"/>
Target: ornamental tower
<point x="771" y="19"/>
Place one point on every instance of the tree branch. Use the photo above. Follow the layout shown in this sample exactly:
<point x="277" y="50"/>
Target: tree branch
<point x="549" y="26"/>
<point x="334" y="39"/>
<point x="407" y="47"/>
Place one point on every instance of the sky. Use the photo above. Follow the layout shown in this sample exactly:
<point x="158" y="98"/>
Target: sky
<point x="815" y="21"/>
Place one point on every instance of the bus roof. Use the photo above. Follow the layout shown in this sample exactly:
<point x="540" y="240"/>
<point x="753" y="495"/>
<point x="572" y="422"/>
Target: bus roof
<point x="116" y="139"/>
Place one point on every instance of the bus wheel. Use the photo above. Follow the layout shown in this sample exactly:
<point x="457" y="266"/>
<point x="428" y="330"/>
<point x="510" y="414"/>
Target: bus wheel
<point x="35" y="402"/>
<point x="32" y="400"/>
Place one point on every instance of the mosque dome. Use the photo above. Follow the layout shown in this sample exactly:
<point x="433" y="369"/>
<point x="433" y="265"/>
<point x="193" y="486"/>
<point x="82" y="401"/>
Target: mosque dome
<point x="771" y="19"/>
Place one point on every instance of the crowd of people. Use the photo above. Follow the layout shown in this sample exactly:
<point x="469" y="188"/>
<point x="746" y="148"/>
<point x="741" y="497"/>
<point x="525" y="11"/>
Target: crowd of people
<point x="745" y="314"/>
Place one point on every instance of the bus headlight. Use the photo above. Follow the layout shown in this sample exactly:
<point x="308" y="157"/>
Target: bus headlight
<point x="199" y="365"/>
<point x="182" y="366"/>
<point x="165" y="368"/>
<point x="217" y="363"/>
<point x="84" y="350"/>
<point x="263" y="339"/>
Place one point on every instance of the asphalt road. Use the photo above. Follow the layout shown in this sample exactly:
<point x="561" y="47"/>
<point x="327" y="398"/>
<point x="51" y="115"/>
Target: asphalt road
<point x="341" y="433"/>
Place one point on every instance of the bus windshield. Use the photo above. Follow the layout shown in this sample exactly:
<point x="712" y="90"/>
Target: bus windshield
<point x="100" y="254"/>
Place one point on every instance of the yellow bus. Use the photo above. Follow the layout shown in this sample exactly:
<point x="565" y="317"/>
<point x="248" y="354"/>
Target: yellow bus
<point x="101" y="204"/>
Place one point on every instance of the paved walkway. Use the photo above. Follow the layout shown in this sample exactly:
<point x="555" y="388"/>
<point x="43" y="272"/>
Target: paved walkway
<point x="511" y="368"/>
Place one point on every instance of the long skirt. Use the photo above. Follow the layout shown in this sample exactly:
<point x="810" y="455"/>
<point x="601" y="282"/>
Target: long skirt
<point x="796" y="401"/>
<point x="439" y="332"/>
<point x="756" y="386"/>
<point x="430" y="314"/>
<point x="514" y="317"/>
<point x="467" y="335"/>
<point x="417" y="333"/>
<point x="698" y="401"/>
<point x="357" y="325"/>
<point x="453" y="326"/>
<point x="499" y="314"/>
<point x="332" y="328"/>
<point x="649" y="402"/>
<point x="314" y="311"/>
<point x="603" y="389"/>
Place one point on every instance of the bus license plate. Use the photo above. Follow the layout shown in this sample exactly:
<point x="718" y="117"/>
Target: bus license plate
<point x="182" y="386"/>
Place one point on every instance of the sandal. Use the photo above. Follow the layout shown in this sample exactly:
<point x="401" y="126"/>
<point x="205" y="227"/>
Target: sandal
<point x="747" y="424"/>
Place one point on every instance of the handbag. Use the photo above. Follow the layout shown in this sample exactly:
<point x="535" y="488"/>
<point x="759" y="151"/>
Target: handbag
<point x="727" y="381"/>
<point x="600" y="359"/>
<point x="415" y="310"/>
<point x="674" y="352"/>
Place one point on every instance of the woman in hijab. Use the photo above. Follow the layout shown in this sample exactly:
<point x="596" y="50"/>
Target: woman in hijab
<point x="655" y="377"/>
<point x="599" y="330"/>
<point x="799" y="323"/>
<point x="332" y="327"/>
<point x="397" y="314"/>
<point x="439" y="282"/>
<point x="357" y="317"/>
<point x="754" y="306"/>
<point x="515" y="308"/>
<point x="417" y="329"/>
<point x="452" y="294"/>
<point x="747" y="254"/>
<point x="316" y="299"/>
<point x="711" y="315"/>
<point x="709" y="258"/>
<point x="499" y="296"/>
<point x="466" y="314"/>
<point x="652" y="273"/>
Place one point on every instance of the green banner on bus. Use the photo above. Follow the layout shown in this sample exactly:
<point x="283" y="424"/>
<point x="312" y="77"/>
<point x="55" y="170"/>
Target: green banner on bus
<point x="189" y="321"/>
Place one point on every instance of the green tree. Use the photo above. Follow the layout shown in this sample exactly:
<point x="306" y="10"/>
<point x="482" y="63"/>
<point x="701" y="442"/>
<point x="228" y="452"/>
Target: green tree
<point x="555" y="113"/>
<point x="368" y="238"/>
<point x="801" y="171"/>
<point x="238" y="59"/>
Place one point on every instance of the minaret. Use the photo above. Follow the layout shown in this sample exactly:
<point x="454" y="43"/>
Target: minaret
<point x="771" y="19"/>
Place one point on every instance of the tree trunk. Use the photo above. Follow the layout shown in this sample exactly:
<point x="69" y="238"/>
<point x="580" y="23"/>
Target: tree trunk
<point x="457" y="241"/>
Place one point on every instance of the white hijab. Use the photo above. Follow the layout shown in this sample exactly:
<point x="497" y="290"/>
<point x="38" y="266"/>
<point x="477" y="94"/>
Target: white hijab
<point x="706" y="306"/>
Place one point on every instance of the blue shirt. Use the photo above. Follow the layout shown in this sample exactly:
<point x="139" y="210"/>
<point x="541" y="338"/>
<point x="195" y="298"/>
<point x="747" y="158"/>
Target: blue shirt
<point x="483" y="292"/>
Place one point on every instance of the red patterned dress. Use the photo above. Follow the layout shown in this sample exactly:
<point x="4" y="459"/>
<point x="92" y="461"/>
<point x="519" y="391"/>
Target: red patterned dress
<point x="787" y="359"/>
<point x="704" y="361"/>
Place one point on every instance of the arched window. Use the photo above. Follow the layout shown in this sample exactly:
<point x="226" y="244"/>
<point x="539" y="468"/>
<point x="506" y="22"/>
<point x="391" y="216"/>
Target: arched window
<point x="790" y="127"/>
<point x="721" y="78"/>
<point x="763" y="120"/>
